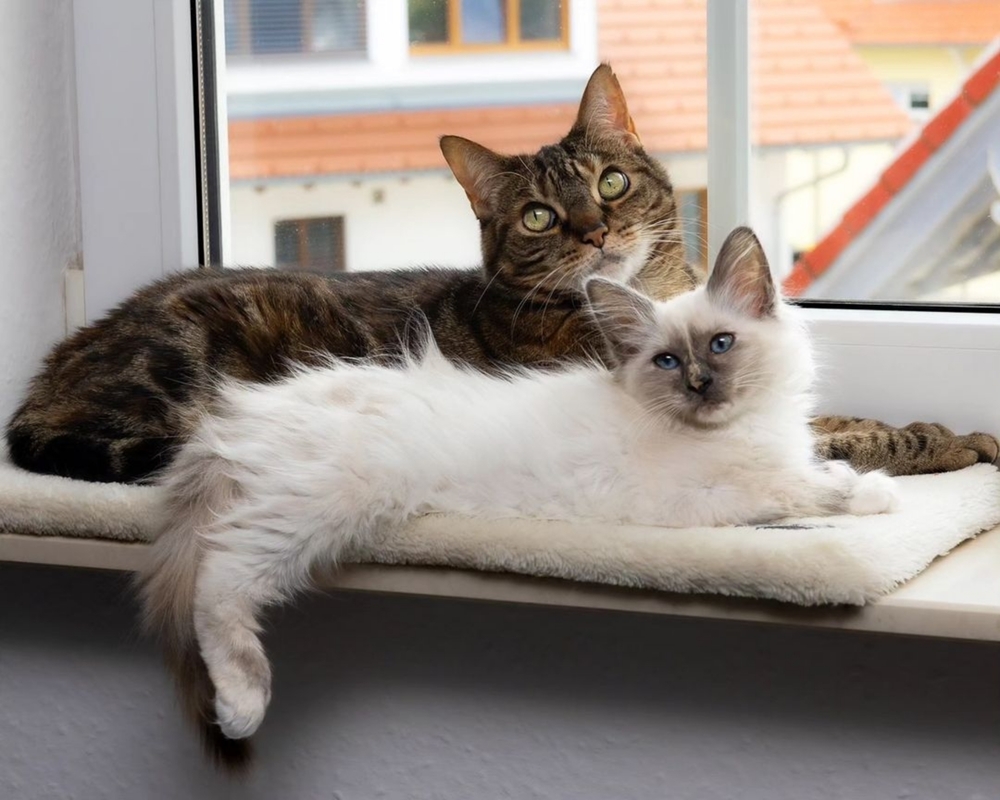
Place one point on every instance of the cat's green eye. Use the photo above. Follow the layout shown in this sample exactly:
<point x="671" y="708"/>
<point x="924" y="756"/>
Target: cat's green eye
<point x="666" y="361"/>
<point x="613" y="184"/>
<point x="538" y="218"/>
<point x="721" y="342"/>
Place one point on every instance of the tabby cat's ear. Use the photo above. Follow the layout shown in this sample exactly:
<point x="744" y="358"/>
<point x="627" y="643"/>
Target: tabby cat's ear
<point x="477" y="169"/>
<point x="742" y="278"/>
<point x="603" y="109"/>
<point x="625" y="318"/>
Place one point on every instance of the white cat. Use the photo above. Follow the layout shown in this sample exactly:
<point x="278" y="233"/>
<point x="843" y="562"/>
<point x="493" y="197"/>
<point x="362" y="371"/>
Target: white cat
<point x="702" y="420"/>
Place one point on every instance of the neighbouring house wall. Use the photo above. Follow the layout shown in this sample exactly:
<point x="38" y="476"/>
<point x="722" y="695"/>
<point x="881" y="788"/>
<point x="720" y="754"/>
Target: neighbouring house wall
<point x="940" y="68"/>
<point x="39" y="215"/>
<point x="814" y="188"/>
<point x="390" y="221"/>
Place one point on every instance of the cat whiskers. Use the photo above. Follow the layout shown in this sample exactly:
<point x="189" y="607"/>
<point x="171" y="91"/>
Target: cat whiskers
<point x="552" y="291"/>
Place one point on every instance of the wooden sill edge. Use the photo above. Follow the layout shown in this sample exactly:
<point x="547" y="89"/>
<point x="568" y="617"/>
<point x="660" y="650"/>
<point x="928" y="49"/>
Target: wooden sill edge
<point x="957" y="597"/>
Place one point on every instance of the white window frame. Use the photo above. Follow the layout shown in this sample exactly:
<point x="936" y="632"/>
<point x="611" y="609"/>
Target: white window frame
<point x="898" y="366"/>
<point x="136" y="146"/>
<point x="138" y="176"/>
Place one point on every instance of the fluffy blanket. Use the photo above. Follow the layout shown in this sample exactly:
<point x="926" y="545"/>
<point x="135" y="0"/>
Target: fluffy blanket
<point x="811" y="561"/>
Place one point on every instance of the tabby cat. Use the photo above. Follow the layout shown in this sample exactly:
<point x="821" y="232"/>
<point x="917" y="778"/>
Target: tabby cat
<point x="115" y="399"/>
<point x="703" y="420"/>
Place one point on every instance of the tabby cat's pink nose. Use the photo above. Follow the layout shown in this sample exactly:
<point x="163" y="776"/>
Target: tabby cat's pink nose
<point x="595" y="236"/>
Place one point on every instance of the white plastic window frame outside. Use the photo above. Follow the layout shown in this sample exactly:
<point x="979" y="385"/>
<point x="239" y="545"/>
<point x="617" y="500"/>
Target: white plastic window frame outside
<point x="895" y="365"/>
<point x="138" y="183"/>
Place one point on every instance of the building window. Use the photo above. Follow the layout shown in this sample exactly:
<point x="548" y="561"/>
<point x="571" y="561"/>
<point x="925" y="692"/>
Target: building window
<point x="920" y="99"/>
<point x="692" y="207"/>
<point x="315" y="244"/>
<point x="470" y="25"/>
<point x="295" y="27"/>
<point x="913" y="98"/>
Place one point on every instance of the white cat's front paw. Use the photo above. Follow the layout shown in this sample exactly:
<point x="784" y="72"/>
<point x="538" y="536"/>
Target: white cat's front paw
<point x="239" y="712"/>
<point x="874" y="493"/>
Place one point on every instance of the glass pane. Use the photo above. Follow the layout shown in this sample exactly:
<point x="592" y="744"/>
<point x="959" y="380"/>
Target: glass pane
<point x="322" y="243"/>
<point x="428" y="21"/>
<point x="484" y="21"/>
<point x="288" y="243"/>
<point x="276" y="26"/>
<point x="324" y="138"/>
<point x="877" y="158"/>
<point x="232" y="27"/>
<point x="290" y="27"/>
<point x="693" y="212"/>
<point x="336" y="26"/>
<point x="541" y="20"/>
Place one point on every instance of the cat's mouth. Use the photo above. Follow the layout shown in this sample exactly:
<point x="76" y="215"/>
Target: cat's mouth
<point x="623" y="262"/>
<point x="709" y="413"/>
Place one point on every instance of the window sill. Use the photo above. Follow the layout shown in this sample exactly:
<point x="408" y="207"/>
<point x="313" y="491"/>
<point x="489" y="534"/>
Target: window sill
<point x="957" y="597"/>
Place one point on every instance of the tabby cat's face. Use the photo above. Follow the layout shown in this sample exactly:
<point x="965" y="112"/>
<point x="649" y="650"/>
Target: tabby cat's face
<point x="575" y="209"/>
<point x="593" y="204"/>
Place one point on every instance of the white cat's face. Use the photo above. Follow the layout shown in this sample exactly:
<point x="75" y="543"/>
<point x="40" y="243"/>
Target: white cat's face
<point x="710" y="355"/>
<point x="704" y="365"/>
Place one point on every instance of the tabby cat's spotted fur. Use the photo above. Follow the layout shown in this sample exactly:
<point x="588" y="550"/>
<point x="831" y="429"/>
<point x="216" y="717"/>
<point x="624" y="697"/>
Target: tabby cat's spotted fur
<point x="114" y="399"/>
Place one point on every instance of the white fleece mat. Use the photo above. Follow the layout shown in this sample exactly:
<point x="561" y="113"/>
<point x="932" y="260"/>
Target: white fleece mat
<point x="823" y="560"/>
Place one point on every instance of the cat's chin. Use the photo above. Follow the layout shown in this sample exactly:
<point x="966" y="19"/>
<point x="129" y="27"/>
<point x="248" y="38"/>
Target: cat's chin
<point x="708" y="414"/>
<point x="619" y="266"/>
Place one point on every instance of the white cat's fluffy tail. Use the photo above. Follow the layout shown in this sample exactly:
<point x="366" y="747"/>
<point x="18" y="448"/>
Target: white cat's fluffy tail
<point x="196" y="489"/>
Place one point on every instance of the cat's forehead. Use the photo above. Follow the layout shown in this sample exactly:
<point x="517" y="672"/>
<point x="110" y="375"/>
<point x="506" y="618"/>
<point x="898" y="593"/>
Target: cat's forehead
<point x="693" y="316"/>
<point x="558" y="161"/>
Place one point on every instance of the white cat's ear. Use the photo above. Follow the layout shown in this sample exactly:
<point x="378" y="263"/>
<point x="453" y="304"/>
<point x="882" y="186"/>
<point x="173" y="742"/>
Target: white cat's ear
<point x="477" y="169"/>
<point x="625" y="318"/>
<point x="741" y="276"/>
<point x="603" y="109"/>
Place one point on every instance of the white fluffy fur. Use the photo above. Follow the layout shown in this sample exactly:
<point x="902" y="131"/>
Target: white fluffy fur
<point x="287" y="477"/>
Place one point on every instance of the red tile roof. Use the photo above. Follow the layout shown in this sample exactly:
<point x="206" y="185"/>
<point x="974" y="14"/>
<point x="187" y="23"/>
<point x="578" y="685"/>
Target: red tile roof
<point x="909" y="22"/>
<point x="809" y="87"/>
<point x="978" y="86"/>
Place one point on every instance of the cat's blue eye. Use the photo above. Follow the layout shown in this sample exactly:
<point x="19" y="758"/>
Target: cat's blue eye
<point x="666" y="361"/>
<point x="538" y="218"/>
<point x="721" y="342"/>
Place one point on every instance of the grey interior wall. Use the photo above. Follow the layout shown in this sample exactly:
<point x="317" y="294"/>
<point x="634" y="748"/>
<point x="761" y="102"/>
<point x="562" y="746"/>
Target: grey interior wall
<point x="388" y="697"/>
<point x="39" y="210"/>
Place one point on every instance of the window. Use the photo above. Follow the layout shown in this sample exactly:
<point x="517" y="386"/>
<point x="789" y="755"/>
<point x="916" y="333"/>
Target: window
<point x="913" y="98"/>
<point x="454" y="25"/>
<point x="402" y="208"/>
<point x="919" y="99"/>
<point x="314" y="244"/>
<point x="294" y="27"/>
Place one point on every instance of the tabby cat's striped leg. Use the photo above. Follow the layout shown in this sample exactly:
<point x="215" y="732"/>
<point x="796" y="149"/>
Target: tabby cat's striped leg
<point x="918" y="448"/>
